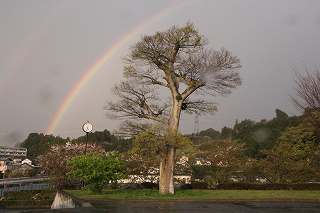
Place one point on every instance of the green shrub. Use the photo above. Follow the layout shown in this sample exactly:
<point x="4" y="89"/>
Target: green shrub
<point x="96" y="170"/>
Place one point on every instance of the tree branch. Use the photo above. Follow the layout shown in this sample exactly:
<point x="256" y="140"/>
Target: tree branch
<point x="198" y="106"/>
<point x="137" y="102"/>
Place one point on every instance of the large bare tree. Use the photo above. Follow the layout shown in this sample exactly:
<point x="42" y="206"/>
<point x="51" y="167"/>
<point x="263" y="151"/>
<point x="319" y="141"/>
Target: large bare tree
<point x="307" y="97"/>
<point x="307" y="91"/>
<point x="175" y="63"/>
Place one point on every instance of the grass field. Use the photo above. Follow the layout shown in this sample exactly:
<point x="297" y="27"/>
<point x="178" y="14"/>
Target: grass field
<point x="28" y="199"/>
<point x="214" y="195"/>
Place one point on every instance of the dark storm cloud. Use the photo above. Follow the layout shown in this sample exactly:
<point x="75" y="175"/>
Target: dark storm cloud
<point x="46" y="47"/>
<point x="45" y="96"/>
<point x="11" y="138"/>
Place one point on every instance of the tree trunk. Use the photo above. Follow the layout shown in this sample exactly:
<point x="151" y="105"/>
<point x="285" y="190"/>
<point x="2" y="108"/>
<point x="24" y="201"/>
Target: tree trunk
<point x="166" y="185"/>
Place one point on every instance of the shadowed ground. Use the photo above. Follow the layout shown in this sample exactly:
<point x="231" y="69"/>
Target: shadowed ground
<point x="189" y="206"/>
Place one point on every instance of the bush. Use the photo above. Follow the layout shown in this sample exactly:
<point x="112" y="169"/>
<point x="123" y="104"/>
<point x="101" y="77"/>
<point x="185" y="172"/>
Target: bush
<point x="199" y="185"/>
<point x="248" y="186"/>
<point x="302" y="186"/>
<point x="96" y="170"/>
<point x="150" y="185"/>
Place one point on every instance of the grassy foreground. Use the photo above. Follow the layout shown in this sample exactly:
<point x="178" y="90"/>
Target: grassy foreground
<point x="214" y="195"/>
<point x="28" y="199"/>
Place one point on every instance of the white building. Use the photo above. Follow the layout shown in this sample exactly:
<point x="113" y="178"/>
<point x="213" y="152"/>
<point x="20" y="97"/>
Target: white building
<point x="11" y="157"/>
<point x="26" y="161"/>
<point x="13" y="152"/>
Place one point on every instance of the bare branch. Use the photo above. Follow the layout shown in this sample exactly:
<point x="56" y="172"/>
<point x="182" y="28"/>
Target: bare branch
<point x="137" y="102"/>
<point x="198" y="106"/>
<point x="130" y="128"/>
<point x="177" y="61"/>
<point x="214" y="71"/>
<point x="147" y="76"/>
<point x="307" y="91"/>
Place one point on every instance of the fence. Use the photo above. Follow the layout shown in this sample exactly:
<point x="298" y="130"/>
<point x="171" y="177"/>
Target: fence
<point x="23" y="185"/>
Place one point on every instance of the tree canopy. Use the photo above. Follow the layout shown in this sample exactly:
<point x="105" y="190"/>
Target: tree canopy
<point x="96" y="170"/>
<point x="175" y="61"/>
<point x="166" y="73"/>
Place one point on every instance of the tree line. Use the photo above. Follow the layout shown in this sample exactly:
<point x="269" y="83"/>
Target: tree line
<point x="284" y="149"/>
<point x="255" y="135"/>
<point x="39" y="143"/>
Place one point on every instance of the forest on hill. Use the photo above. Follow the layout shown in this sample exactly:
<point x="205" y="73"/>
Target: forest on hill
<point x="256" y="136"/>
<point x="284" y="149"/>
<point x="39" y="143"/>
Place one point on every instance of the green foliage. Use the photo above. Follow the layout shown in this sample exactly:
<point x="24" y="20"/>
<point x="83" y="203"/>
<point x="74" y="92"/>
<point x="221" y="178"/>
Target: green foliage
<point x="54" y="161"/>
<point x="19" y="172"/>
<point x="295" y="157"/>
<point x="300" y="134"/>
<point x="216" y="161"/>
<point x="147" y="148"/>
<point x="30" y="195"/>
<point x="256" y="136"/>
<point x="144" y="156"/>
<point x="149" y="143"/>
<point x="223" y="195"/>
<point x="262" y="135"/>
<point x="38" y="144"/>
<point x="96" y="170"/>
<point x="28" y="199"/>
<point x="226" y="133"/>
<point x="290" y="163"/>
<point x="305" y="132"/>
<point x="282" y="150"/>
<point x="107" y="140"/>
<point x="212" y="133"/>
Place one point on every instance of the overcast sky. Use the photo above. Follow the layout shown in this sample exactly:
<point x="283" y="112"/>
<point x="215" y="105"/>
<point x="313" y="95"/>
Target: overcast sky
<point x="46" y="46"/>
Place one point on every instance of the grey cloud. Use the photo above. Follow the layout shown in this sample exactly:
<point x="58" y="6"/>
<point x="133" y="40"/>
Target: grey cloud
<point x="11" y="138"/>
<point x="292" y="20"/>
<point x="69" y="37"/>
<point x="317" y="20"/>
<point x="45" y="96"/>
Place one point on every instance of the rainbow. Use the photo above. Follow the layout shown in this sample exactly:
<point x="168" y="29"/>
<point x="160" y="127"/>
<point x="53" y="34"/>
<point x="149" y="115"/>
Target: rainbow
<point x="106" y="57"/>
